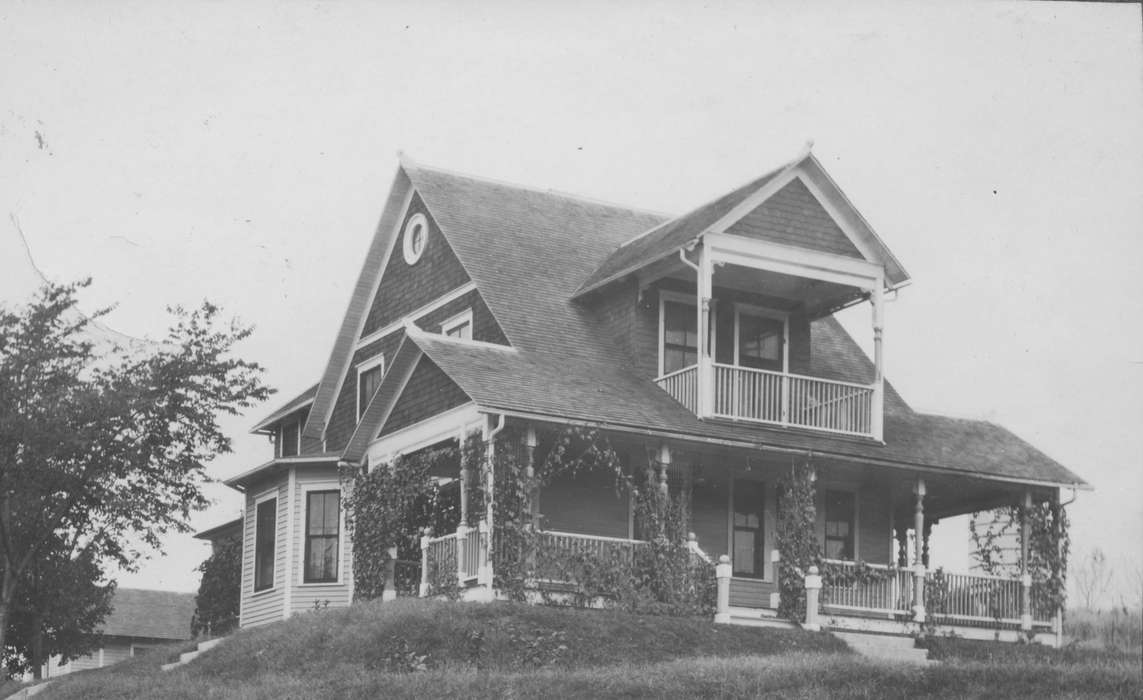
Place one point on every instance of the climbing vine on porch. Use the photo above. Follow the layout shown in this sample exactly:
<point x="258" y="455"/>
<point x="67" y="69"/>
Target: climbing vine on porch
<point x="796" y="538"/>
<point x="1049" y="547"/>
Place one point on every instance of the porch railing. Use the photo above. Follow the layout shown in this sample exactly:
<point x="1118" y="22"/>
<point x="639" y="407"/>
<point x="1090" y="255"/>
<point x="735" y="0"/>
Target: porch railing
<point x="553" y="549"/>
<point x="982" y="598"/>
<point x="683" y="386"/>
<point x="463" y="551"/>
<point x="778" y="398"/>
<point x="887" y="590"/>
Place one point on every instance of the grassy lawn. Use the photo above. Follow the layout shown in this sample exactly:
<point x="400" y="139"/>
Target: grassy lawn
<point x="420" y="649"/>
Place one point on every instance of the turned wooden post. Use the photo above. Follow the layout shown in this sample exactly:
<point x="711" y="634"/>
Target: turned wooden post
<point x="533" y="507"/>
<point x="813" y="583"/>
<point x="461" y="537"/>
<point x="901" y="531"/>
<point x="918" y="543"/>
<point x="722" y="574"/>
<point x="878" y="406"/>
<point x="664" y="464"/>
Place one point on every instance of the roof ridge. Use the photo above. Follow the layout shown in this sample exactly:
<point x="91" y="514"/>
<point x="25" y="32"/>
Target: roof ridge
<point x="407" y="162"/>
<point x="790" y="163"/>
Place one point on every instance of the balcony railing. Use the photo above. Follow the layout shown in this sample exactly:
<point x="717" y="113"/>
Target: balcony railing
<point x="778" y="398"/>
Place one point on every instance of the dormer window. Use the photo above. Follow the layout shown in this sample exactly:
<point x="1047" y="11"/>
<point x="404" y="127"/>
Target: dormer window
<point x="369" y="375"/>
<point x="459" y="326"/>
<point x="414" y="238"/>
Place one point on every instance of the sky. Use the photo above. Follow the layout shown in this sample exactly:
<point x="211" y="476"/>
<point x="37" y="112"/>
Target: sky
<point x="242" y="152"/>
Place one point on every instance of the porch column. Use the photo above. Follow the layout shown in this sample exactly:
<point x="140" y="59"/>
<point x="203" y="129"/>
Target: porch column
<point x="664" y="464"/>
<point x="463" y="480"/>
<point x="704" y="290"/>
<point x="530" y="443"/>
<point x="925" y="542"/>
<point x="877" y="421"/>
<point x="1025" y="573"/>
<point x="901" y="532"/>
<point x="919" y="567"/>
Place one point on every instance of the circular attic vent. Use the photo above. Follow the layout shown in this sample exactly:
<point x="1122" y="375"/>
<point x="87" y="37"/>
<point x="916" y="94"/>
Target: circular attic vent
<point x="415" y="235"/>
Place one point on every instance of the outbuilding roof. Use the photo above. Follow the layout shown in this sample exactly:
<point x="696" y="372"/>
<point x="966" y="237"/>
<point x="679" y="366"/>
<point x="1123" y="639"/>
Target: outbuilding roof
<point x="150" y="614"/>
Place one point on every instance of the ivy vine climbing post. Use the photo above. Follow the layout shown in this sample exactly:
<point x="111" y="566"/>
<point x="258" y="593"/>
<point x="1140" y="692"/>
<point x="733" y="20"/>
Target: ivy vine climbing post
<point x="919" y="567"/>
<point x="1025" y="571"/>
<point x="664" y="465"/>
<point x="532" y="505"/>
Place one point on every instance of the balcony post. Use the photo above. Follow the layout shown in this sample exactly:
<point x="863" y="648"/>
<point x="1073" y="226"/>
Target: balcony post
<point x="918" y="544"/>
<point x="877" y="417"/>
<point x="1025" y="573"/>
<point x="704" y="379"/>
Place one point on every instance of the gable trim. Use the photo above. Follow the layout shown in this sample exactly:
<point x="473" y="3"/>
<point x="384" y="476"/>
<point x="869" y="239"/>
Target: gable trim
<point x="400" y="195"/>
<point x="416" y="314"/>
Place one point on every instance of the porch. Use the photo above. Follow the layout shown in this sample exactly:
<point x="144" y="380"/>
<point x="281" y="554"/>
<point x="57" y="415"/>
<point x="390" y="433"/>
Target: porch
<point x="781" y="399"/>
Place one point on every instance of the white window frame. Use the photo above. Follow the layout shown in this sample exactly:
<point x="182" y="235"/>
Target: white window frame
<point x="361" y="368"/>
<point x="281" y="439"/>
<point x="667" y="295"/>
<point x="412" y="256"/>
<point x="304" y="491"/>
<point x="741" y="309"/>
<point x="457" y="321"/>
<point x="258" y="500"/>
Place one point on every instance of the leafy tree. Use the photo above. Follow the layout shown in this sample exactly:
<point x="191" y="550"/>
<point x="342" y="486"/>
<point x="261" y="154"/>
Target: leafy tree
<point x="101" y="447"/>
<point x="57" y="610"/>
<point x="216" y="605"/>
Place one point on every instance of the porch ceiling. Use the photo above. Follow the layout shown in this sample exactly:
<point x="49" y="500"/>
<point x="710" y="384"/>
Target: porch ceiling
<point x="787" y="291"/>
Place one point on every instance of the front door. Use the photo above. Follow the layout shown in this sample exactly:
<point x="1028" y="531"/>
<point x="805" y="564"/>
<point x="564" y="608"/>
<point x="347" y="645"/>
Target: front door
<point x="749" y="540"/>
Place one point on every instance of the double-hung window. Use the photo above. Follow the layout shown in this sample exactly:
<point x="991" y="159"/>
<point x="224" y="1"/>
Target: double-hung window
<point x="459" y="326"/>
<point x="760" y="338"/>
<point x="323" y="519"/>
<point x="840" y="520"/>
<point x="288" y="446"/>
<point x="680" y="335"/>
<point x="265" y="524"/>
<point x="369" y="375"/>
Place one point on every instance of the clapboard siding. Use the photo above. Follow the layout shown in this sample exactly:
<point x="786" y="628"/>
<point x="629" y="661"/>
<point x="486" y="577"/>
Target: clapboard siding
<point x="874" y="543"/>
<point x="264" y="606"/>
<point x="116" y="651"/>
<point x="304" y="596"/>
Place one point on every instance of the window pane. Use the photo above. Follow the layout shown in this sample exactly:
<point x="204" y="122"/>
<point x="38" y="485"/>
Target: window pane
<point x="760" y="342"/>
<point x="331" y="514"/>
<point x="368" y="381"/>
<point x="744" y="552"/>
<point x="264" y="523"/>
<point x="289" y="446"/>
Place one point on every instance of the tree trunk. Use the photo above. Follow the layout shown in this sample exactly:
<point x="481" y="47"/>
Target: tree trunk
<point x="37" y="646"/>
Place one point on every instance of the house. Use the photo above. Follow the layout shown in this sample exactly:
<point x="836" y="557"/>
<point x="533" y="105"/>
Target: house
<point x="222" y="534"/>
<point x="139" y="621"/>
<point x="707" y="338"/>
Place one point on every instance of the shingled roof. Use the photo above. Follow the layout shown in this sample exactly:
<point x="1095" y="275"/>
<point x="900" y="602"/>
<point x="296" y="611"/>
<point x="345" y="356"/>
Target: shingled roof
<point x="148" y="614"/>
<point x="562" y="366"/>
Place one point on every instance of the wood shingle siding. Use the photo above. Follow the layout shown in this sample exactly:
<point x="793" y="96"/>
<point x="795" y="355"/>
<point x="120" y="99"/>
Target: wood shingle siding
<point x="484" y="328"/>
<point x="428" y="392"/>
<point x="264" y="606"/>
<point x="404" y="287"/>
<point x="794" y="217"/>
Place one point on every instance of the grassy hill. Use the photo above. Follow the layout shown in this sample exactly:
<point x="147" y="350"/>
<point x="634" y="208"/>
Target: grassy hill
<point x="416" y="648"/>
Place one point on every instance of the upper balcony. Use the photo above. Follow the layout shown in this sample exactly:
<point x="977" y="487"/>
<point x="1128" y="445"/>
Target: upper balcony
<point x="787" y="246"/>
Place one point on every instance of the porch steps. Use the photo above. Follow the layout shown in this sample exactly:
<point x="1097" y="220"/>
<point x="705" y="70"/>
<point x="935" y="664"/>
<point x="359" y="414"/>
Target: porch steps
<point x="187" y="656"/>
<point x="758" y="617"/>
<point x="887" y="647"/>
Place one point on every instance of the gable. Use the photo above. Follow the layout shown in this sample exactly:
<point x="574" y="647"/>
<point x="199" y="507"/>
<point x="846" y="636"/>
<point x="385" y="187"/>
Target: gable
<point x="406" y="287"/>
<point x="343" y="418"/>
<point x="793" y="216"/>
<point x="428" y="392"/>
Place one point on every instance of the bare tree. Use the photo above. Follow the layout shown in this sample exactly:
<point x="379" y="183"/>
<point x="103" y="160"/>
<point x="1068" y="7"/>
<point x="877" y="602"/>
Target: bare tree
<point x="1093" y="578"/>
